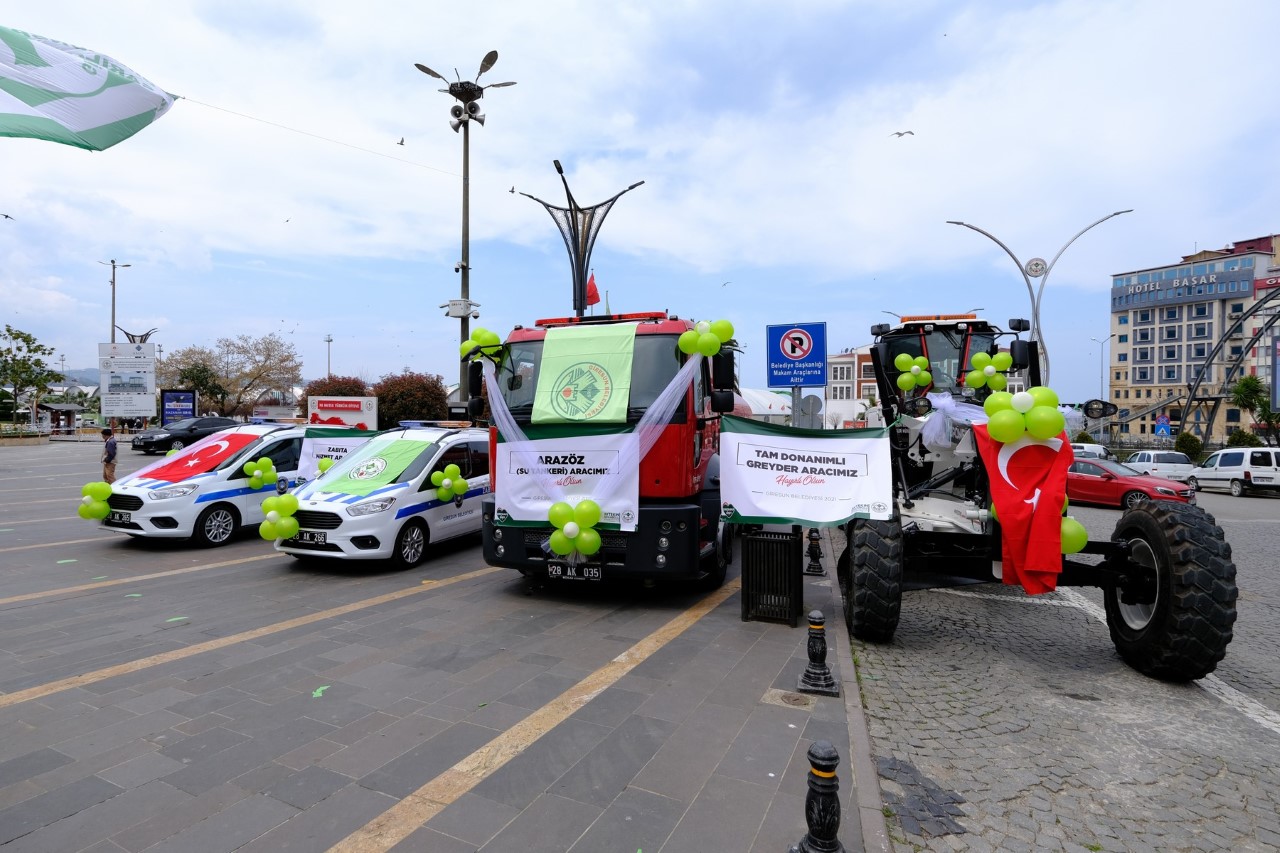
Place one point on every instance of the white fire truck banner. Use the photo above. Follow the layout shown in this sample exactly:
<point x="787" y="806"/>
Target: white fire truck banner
<point x="575" y="467"/>
<point x="327" y="443"/>
<point x="772" y="474"/>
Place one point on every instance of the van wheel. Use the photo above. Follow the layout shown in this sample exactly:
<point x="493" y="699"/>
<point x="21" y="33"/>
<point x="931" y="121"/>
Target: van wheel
<point x="411" y="545"/>
<point x="1193" y="483"/>
<point x="1237" y="489"/>
<point x="215" y="526"/>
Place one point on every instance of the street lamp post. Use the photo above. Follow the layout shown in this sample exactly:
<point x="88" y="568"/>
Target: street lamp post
<point x="1102" y="373"/>
<point x="1037" y="268"/>
<point x="114" y="266"/>
<point x="328" y="357"/>
<point x="467" y="110"/>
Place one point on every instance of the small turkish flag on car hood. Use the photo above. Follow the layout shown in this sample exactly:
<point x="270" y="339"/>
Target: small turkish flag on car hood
<point x="1028" y="487"/>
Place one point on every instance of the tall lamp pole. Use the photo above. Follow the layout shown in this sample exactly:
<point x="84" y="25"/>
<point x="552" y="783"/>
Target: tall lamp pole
<point x="1102" y="373"/>
<point x="114" y="266"/>
<point x="328" y="356"/>
<point x="467" y="110"/>
<point x="1037" y="268"/>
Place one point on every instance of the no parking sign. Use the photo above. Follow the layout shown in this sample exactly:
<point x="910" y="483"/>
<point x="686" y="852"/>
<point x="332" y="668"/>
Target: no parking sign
<point x="797" y="355"/>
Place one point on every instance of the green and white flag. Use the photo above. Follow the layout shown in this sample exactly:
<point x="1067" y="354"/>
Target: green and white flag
<point x="585" y="375"/>
<point x="62" y="93"/>
<point x="772" y="474"/>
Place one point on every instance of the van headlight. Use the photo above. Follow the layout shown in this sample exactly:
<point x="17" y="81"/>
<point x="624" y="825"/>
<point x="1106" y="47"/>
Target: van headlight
<point x="178" y="491"/>
<point x="370" y="508"/>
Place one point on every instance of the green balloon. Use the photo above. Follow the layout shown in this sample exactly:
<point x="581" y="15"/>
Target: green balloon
<point x="924" y="378"/>
<point x="437" y="477"/>
<point x="1006" y="426"/>
<point x="560" y="513"/>
<point x="84" y="490"/>
<point x="287" y="527"/>
<point x="459" y="486"/>
<point x="975" y="379"/>
<point x="588" y="541"/>
<point x="906" y="381"/>
<point x="270" y="504"/>
<point x="560" y="543"/>
<point x="255" y="482"/>
<point x="1044" y="422"/>
<point x="249" y="467"/>
<point x="268" y="531"/>
<point x="903" y="361"/>
<point x="980" y="360"/>
<point x="99" y="509"/>
<point x="992" y="509"/>
<point x="688" y="342"/>
<point x="1043" y="396"/>
<point x="1074" y="536"/>
<point x="997" y="382"/>
<point x="487" y="339"/>
<point x="287" y="504"/>
<point x="722" y="329"/>
<point x="264" y="463"/>
<point x="1002" y="361"/>
<point x="587" y="513"/>
<point x="452" y="472"/>
<point x="998" y="401"/>
<point x="708" y="344"/>
<point x="171" y="452"/>
<point x="100" y="491"/>
<point x="467" y="346"/>
<point x="84" y="512"/>
<point x="325" y="464"/>
<point x="444" y="495"/>
<point x="921" y="362"/>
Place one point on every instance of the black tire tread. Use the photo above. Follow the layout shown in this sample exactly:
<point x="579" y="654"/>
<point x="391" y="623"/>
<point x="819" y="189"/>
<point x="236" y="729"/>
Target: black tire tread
<point x="873" y="602"/>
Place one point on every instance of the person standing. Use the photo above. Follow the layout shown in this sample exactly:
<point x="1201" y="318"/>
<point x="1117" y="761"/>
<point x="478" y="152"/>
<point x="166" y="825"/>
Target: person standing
<point x="108" y="455"/>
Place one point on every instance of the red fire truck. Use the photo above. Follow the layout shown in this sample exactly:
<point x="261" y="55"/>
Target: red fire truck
<point x="678" y="534"/>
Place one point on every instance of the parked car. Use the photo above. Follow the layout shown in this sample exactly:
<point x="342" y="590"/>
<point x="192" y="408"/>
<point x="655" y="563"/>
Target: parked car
<point x="1102" y="481"/>
<point x="1091" y="451"/>
<point x="1239" y="470"/>
<point x="1162" y="463"/>
<point x="379" y="502"/>
<point x="178" y="434"/>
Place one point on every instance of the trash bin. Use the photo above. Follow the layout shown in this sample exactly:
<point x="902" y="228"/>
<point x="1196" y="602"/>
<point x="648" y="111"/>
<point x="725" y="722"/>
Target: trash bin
<point x="772" y="576"/>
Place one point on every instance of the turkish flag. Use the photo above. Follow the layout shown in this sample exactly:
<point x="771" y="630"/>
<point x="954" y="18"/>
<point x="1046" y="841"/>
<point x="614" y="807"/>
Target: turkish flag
<point x="199" y="458"/>
<point x="1028" y="480"/>
<point x="593" y="295"/>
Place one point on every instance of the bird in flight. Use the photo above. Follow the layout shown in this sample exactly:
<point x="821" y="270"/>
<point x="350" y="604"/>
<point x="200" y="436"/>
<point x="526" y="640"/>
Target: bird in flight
<point x="901" y="133"/>
<point x="513" y="188"/>
<point x="5" y="216"/>
<point x="725" y="284"/>
<point x="401" y="142"/>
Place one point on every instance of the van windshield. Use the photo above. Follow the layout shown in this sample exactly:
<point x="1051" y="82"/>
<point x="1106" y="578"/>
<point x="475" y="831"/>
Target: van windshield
<point x="655" y="362"/>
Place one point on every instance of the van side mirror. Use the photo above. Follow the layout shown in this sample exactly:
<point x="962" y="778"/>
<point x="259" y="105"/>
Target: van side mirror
<point x="722" y="377"/>
<point x="722" y="401"/>
<point x="475" y="407"/>
<point x="1020" y="352"/>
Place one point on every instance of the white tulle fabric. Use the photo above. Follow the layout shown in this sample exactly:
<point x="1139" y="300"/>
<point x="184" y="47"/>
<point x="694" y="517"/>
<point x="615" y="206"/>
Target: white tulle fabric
<point x="936" y="432"/>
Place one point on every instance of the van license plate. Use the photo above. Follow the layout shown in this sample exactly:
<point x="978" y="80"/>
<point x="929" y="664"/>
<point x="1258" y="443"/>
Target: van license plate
<point x="118" y="517"/>
<point x="311" y="537"/>
<point x="564" y="571"/>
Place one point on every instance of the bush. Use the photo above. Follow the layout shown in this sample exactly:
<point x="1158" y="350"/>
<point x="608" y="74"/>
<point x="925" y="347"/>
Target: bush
<point x="1243" y="438"/>
<point x="1083" y="437"/>
<point x="410" y="396"/>
<point x="1189" y="444"/>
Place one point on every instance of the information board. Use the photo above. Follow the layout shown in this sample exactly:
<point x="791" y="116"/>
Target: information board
<point x="127" y="380"/>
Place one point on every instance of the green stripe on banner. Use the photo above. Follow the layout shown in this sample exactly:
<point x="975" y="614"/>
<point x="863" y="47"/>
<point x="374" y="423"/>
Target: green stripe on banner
<point x="746" y="426"/>
<point x="585" y="375"/>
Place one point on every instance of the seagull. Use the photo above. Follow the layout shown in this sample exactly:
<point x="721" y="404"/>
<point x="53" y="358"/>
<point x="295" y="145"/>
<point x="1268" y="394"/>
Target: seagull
<point x="513" y="188"/>
<point x="401" y="142"/>
<point x="725" y="284"/>
<point x="901" y="133"/>
<point x="7" y="216"/>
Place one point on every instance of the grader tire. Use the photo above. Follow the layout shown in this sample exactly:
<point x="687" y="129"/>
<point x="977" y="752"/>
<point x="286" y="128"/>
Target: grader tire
<point x="873" y="590"/>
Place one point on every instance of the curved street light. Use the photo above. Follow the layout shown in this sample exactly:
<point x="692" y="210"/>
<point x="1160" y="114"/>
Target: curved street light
<point x="1037" y="268"/>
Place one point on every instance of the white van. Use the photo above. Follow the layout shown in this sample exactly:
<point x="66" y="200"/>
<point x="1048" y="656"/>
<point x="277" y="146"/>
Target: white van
<point x="379" y="503"/>
<point x="1169" y="464"/>
<point x="202" y="490"/>
<point x="1239" y="470"/>
<point x="1091" y="451"/>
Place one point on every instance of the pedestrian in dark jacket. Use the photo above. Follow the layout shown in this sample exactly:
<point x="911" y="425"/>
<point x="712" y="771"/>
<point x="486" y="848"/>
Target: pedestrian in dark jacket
<point x="108" y="455"/>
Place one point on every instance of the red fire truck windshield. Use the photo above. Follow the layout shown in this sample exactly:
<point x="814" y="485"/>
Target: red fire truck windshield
<point x="655" y="361"/>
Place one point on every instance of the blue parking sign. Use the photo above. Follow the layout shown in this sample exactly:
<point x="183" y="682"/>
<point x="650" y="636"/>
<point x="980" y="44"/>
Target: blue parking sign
<point x="797" y="355"/>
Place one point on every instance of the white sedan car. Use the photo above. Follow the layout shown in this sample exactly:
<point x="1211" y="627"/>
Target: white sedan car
<point x="379" y="502"/>
<point x="202" y="491"/>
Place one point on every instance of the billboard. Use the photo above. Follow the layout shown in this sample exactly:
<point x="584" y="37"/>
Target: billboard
<point x="127" y="380"/>
<point x="176" y="404"/>
<point x="358" y="412"/>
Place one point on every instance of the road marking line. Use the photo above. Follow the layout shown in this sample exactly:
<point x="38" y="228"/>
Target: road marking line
<point x="418" y="807"/>
<point x="39" y="520"/>
<point x="40" y="690"/>
<point x="67" y="590"/>
<point x="50" y="544"/>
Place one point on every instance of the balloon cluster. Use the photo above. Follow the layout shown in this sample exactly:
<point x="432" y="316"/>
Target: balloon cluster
<point x="1032" y="412"/>
<point x="488" y="342"/>
<point x="280" y="523"/>
<point x="93" y="503"/>
<point x="325" y="464"/>
<point x="1074" y="536"/>
<point x="705" y="337"/>
<point x="575" y="527"/>
<point x="261" y="472"/>
<point x="449" y="482"/>
<point x="989" y="370"/>
<point x="914" y="371"/>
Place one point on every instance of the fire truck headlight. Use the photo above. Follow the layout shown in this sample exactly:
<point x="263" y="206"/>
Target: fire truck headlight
<point x="500" y="550"/>
<point x="497" y="534"/>
<point x="666" y="527"/>
<point x="663" y="543"/>
<point x="660" y="560"/>
<point x="682" y="527"/>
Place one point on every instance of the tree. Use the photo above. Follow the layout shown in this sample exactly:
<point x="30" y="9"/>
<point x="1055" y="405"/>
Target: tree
<point x="410" y="396"/>
<point x="1188" y="443"/>
<point x="1269" y="419"/>
<point x="23" y="367"/>
<point x="1248" y="394"/>
<point x="1243" y="438"/>
<point x="333" y="386"/>
<point x="236" y="372"/>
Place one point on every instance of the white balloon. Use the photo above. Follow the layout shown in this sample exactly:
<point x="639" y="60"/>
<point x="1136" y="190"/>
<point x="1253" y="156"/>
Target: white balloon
<point x="1023" y="402"/>
<point x="87" y="500"/>
<point x="273" y="516"/>
<point x="915" y="369"/>
<point x="989" y="370"/>
<point x="571" y="529"/>
<point x="703" y="327"/>
<point x="446" y="483"/>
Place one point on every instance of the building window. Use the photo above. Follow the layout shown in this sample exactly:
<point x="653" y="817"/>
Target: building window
<point x="1237" y="307"/>
<point x="868" y="371"/>
<point x="1170" y="353"/>
<point x="1171" y="374"/>
<point x="1124" y="320"/>
<point x="1122" y="339"/>
<point x="1200" y="309"/>
<point x="1124" y="356"/>
<point x="1143" y="336"/>
<point x="1144" y="316"/>
<point x="1171" y="333"/>
<point x="1142" y="354"/>
<point x="1233" y="416"/>
<point x="1199" y="350"/>
<point x="1171" y="313"/>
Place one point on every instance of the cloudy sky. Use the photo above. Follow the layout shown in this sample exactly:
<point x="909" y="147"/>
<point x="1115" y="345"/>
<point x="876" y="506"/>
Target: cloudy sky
<point x="274" y="197"/>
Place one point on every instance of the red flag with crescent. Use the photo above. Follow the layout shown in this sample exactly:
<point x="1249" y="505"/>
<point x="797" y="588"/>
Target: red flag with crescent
<point x="199" y="458"/>
<point x="1028" y="480"/>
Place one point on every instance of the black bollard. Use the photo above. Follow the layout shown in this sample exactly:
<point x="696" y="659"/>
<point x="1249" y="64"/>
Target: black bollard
<point x="816" y="677"/>
<point x="815" y="554"/>
<point x="822" y="803"/>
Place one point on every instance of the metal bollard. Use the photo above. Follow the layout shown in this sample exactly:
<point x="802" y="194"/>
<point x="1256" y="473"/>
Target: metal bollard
<point x="815" y="554"/>
<point x="816" y="677"/>
<point x="822" y="803"/>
